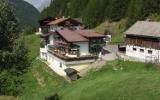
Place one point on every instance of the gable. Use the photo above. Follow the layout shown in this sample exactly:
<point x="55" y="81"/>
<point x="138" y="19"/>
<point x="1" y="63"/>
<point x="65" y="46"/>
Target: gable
<point x="65" y="22"/>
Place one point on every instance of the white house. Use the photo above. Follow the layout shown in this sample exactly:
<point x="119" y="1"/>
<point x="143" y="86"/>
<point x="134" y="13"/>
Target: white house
<point x="143" y="41"/>
<point x="70" y="48"/>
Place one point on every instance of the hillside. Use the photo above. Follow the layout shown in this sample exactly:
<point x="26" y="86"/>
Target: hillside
<point x="26" y="14"/>
<point x="116" y="29"/>
<point x="131" y="81"/>
<point x="94" y="12"/>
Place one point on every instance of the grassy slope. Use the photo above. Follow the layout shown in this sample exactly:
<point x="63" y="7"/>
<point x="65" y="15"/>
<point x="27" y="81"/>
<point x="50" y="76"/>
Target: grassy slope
<point x="33" y="44"/>
<point x="116" y="29"/>
<point x="40" y="81"/>
<point x="135" y="82"/>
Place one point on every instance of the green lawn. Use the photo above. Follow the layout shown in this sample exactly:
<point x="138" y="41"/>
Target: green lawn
<point x="40" y="81"/>
<point x="132" y="81"/>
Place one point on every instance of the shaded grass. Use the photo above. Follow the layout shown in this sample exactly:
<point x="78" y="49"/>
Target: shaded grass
<point x="33" y="90"/>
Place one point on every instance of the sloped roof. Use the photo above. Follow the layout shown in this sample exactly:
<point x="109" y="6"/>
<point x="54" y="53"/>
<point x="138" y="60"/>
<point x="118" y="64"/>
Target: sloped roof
<point x="89" y="33"/>
<point x="57" y="21"/>
<point x="145" y="28"/>
<point x="71" y="36"/>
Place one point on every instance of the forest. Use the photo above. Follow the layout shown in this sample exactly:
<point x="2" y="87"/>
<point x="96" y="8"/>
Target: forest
<point x="93" y="12"/>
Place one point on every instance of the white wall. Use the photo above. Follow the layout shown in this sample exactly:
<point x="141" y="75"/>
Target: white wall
<point x="84" y="48"/>
<point x="51" y="40"/>
<point x="43" y="53"/>
<point x="55" y="62"/>
<point x="40" y="29"/>
<point x="53" y="27"/>
<point x="142" y="55"/>
<point x="55" y="65"/>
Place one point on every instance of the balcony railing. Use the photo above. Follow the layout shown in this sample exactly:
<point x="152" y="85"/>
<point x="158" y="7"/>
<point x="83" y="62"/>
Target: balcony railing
<point x="66" y="58"/>
<point x="66" y="50"/>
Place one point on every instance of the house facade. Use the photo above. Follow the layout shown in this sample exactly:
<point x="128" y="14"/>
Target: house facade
<point x="63" y="22"/>
<point x="143" y="41"/>
<point x="70" y="47"/>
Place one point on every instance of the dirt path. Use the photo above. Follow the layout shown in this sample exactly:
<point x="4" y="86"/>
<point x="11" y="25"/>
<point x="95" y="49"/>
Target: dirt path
<point x="94" y="66"/>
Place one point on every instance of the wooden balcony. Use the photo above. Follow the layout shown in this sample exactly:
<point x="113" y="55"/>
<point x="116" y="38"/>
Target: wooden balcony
<point x="68" y="59"/>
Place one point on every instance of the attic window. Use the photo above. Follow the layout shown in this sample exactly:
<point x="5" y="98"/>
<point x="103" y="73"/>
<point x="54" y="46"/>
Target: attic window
<point x="141" y="50"/>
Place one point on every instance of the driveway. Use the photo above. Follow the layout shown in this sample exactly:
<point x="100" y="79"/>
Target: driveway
<point x="112" y="51"/>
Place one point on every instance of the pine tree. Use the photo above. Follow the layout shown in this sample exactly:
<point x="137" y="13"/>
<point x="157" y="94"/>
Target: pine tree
<point x="135" y="11"/>
<point x="76" y="7"/>
<point x="93" y="14"/>
<point x="116" y="9"/>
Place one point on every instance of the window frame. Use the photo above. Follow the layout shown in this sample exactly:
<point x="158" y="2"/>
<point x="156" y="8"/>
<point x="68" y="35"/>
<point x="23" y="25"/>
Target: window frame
<point x="134" y="49"/>
<point x="141" y="50"/>
<point x="150" y="52"/>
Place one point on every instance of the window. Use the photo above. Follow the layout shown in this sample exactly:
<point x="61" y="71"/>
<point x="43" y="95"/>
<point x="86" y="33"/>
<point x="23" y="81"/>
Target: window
<point x="150" y="51"/>
<point x="134" y="49"/>
<point x="60" y="65"/>
<point x="141" y="50"/>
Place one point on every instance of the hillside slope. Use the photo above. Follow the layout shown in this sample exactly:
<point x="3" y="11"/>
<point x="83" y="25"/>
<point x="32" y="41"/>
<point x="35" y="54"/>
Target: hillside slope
<point x="131" y="81"/>
<point x="117" y="80"/>
<point x="26" y="14"/>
